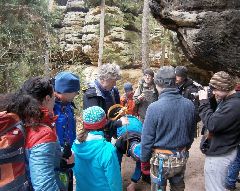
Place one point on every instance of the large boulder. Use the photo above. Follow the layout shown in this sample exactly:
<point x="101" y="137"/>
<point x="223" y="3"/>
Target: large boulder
<point x="208" y="30"/>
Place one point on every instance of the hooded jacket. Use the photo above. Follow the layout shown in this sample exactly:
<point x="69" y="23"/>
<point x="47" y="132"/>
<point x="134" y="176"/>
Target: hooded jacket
<point x="96" y="164"/>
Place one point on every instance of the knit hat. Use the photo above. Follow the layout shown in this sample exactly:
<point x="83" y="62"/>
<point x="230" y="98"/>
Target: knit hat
<point x="128" y="87"/>
<point x="66" y="82"/>
<point x="149" y="72"/>
<point x="165" y="76"/>
<point x="181" y="71"/>
<point x="94" y="118"/>
<point x="222" y="81"/>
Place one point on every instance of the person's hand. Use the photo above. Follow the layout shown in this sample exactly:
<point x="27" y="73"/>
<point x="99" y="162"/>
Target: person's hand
<point x="70" y="160"/>
<point x="131" y="186"/>
<point x="141" y="97"/>
<point x="203" y="94"/>
<point x="67" y="163"/>
<point x="145" y="168"/>
<point x="124" y="121"/>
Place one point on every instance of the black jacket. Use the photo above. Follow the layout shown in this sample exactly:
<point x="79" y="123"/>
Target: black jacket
<point x="187" y="90"/>
<point x="223" y="124"/>
<point x="95" y="96"/>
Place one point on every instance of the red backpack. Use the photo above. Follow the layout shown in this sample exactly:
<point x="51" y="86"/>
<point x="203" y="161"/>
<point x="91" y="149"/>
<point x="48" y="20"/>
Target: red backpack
<point x="12" y="155"/>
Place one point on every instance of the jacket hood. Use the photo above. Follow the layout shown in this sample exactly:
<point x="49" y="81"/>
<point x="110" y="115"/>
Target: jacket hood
<point x="93" y="146"/>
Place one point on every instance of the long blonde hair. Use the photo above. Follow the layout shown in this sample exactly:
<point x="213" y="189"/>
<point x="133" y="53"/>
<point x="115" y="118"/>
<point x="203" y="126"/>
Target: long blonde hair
<point x="81" y="132"/>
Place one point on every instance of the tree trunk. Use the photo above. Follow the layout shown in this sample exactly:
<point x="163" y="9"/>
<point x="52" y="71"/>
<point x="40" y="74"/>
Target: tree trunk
<point x="46" y="57"/>
<point x="47" y="51"/>
<point x="145" y="35"/>
<point x="101" y="36"/>
<point x="163" y="45"/>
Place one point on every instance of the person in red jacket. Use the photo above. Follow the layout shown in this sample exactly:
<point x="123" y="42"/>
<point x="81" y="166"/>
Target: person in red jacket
<point x="43" y="151"/>
<point x="127" y="99"/>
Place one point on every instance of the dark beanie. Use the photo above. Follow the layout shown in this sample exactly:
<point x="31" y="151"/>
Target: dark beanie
<point x="66" y="82"/>
<point x="128" y="87"/>
<point x="149" y="72"/>
<point x="222" y="81"/>
<point x="181" y="71"/>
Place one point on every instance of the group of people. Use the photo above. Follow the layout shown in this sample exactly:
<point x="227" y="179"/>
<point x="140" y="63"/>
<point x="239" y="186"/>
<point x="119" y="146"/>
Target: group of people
<point x="155" y="125"/>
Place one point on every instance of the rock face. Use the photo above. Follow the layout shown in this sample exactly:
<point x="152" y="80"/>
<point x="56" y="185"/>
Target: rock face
<point x="71" y="31"/>
<point x="208" y="30"/>
<point x="78" y="28"/>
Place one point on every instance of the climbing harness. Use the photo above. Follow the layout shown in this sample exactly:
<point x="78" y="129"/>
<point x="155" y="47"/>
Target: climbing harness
<point x="166" y="165"/>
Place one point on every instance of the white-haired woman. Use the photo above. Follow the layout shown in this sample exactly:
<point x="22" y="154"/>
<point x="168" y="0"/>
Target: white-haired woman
<point x="103" y="92"/>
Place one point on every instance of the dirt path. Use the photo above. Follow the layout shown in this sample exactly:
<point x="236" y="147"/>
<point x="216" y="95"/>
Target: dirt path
<point x="194" y="176"/>
<point x="194" y="179"/>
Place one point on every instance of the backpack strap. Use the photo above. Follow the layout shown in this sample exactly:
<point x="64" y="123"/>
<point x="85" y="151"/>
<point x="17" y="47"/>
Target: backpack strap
<point x="16" y="152"/>
<point x="10" y="128"/>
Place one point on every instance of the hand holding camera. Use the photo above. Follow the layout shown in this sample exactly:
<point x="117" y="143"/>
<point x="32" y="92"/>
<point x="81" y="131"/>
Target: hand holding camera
<point x="203" y="94"/>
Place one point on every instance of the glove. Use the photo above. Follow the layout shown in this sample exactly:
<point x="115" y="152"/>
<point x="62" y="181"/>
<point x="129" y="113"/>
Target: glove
<point x="64" y="165"/>
<point x="66" y="155"/>
<point x="67" y="151"/>
<point x="145" y="168"/>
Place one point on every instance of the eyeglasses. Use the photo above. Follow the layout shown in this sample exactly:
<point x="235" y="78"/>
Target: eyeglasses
<point x="212" y="88"/>
<point x="148" y="76"/>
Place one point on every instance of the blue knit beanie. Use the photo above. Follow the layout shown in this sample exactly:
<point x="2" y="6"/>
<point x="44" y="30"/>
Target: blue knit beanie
<point x="128" y="87"/>
<point x="66" y="82"/>
<point x="94" y="118"/>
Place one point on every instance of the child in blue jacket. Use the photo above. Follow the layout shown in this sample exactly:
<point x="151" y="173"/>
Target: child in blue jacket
<point x="96" y="163"/>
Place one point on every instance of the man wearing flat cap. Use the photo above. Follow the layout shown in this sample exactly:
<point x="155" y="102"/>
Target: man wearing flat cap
<point x="224" y="129"/>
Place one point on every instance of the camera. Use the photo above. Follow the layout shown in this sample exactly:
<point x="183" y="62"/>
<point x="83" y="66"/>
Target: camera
<point x="210" y="92"/>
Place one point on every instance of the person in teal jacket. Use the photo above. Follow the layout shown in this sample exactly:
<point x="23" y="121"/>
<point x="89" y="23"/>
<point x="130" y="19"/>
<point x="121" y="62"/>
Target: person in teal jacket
<point x="96" y="163"/>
